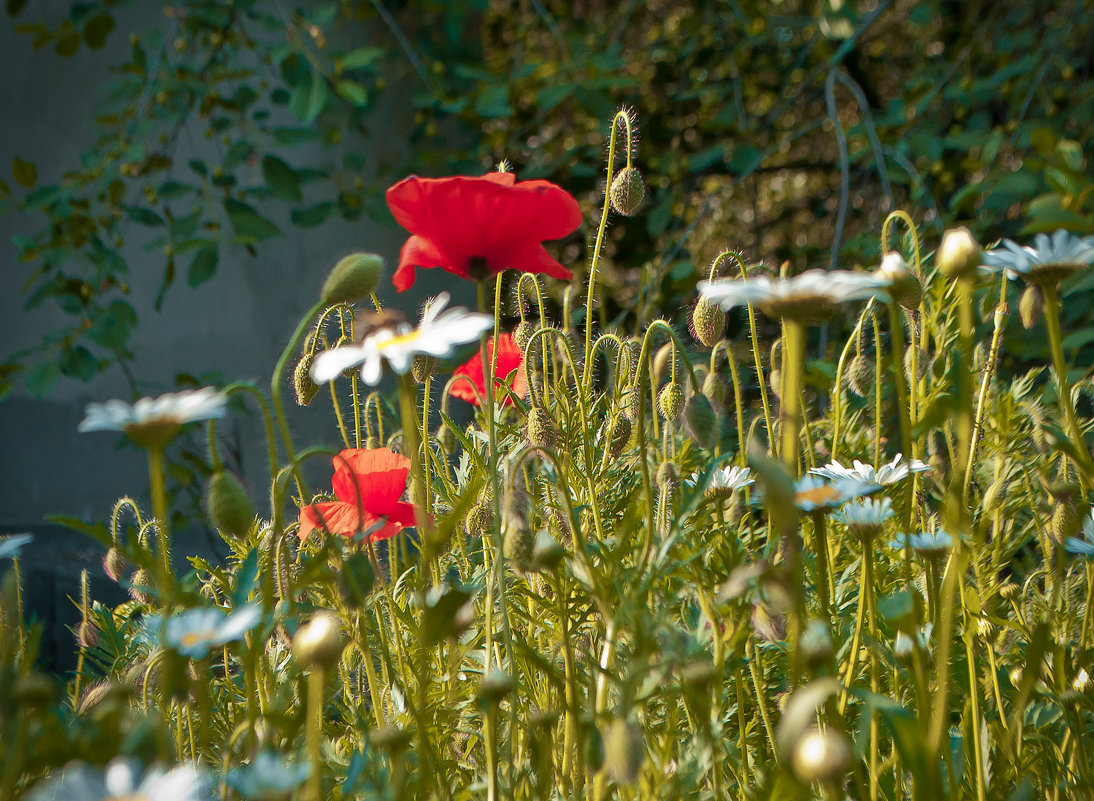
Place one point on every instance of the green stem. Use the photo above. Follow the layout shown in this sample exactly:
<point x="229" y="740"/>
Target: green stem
<point x="275" y="388"/>
<point x="315" y="733"/>
<point x="159" y="510"/>
<point x="1067" y="406"/>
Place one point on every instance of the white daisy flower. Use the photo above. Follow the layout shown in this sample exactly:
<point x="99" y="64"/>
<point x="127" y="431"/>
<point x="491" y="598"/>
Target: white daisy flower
<point x="195" y="632"/>
<point x="724" y="481"/>
<point x="267" y="777"/>
<point x="1050" y="260"/>
<point x="11" y="546"/>
<point x="152" y="420"/>
<point x="904" y="645"/>
<point x="437" y="335"/>
<point x="1080" y="546"/>
<point x="812" y="493"/>
<point x="865" y="518"/>
<point x="894" y="471"/>
<point x="932" y="544"/>
<point x="122" y="780"/>
<point x="811" y="295"/>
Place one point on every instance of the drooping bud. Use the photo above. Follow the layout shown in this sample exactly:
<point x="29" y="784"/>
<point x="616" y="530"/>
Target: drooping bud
<point x="627" y="191"/>
<point x="522" y="334"/>
<point x="547" y="552"/>
<point x="662" y="360"/>
<point x="87" y="634"/>
<point x="495" y="686"/>
<point x="821" y="756"/>
<point x="1030" y="305"/>
<point x="318" y="643"/>
<point x="624" y="751"/>
<point x="632" y="403"/>
<point x="959" y="253"/>
<point x="228" y="505"/>
<point x="1065" y="521"/>
<point x="479" y="518"/>
<point x="140" y="584"/>
<point x="423" y="367"/>
<point x="666" y="475"/>
<point x="617" y="434"/>
<point x="115" y="564"/>
<point x="904" y="286"/>
<point x="517" y="537"/>
<point x="700" y="421"/>
<point x="860" y="375"/>
<point x="922" y="362"/>
<point x="670" y="400"/>
<point x="356" y="579"/>
<point x="354" y="277"/>
<point x="714" y="387"/>
<point x="304" y="389"/>
<point x="708" y="321"/>
<point x="540" y="428"/>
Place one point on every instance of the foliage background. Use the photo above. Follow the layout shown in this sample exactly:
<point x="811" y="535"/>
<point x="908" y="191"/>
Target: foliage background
<point x="236" y="148"/>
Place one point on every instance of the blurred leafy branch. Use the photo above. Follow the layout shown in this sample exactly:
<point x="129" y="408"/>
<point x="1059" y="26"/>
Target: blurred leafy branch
<point x="786" y="129"/>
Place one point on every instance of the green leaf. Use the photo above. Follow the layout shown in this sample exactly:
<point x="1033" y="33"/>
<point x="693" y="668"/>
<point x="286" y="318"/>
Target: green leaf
<point x="312" y="216"/>
<point x="78" y="363"/>
<point x="245" y="579"/>
<point x="281" y="179"/>
<point x="68" y="44"/>
<point x="97" y="531"/>
<point x="308" y="99"/>
<point x="353" y="92"/>
<point x="203" y="266"/>
<point x="40" y="379"/>
<point x="361" y="57"/>
<point x="550" y="96"/>
<point x="14" y="7"/>
<point x="112" y="325"/>
<point x="494" y="102"/>
<point x="24" y="172"/>
<point x="143" y="216"/>
<point x="248" y="223"/>
<point x="706" y="158"/>
<point x="97" y="29"/>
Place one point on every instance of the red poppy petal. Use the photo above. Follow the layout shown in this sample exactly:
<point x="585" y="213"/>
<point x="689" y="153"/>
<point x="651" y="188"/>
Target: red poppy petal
<point x="333" y="516"/>
<point x="372" y="479"/>
<point x="417" y="252"/>
<point x="537" y="260"/>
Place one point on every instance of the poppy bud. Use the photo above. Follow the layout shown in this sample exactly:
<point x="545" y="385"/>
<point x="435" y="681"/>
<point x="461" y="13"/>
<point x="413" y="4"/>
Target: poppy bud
<point x="318" y="643"/>
<point x="517" y="539"/>
<point x="304" y="388"/>
<point x="632" y="403"/>
<point x="139" y="585"/>
<point x="372" y="442"/>
<point x="708" y="321"/>
<point x="87" y="635"/>
<point x="1030" y="305"/>
<point x="592" y="749"/>
<point x="479" y="518"/>
<point x="547" y="552"/>
<point x="993" y="496"/>
<point x="860" y="375"/>
<point x="1010" y="591"/>
<point x="821" y="756"/>
<point x="714" y="387"/>
<point x="700" y="420"/>
<point x="775" y="382"/>
<point x="670" y="400"/>
<point x="618" y="434"/>
<point x="921" y="363"/>
<point x="959" y="253"/>
<point x="352" y="278"/>
<point x="356" y="579"/>
<point x="540" y="428"/>
<point x="627" y="191"/>
<point x="115" y="565"/>
<point x="904" y="287"/>
<point x="228" y="505"/>
<point x="423" y="367"/>
<point x="495" y="686"/>
<point x="667" y="475"/>
<point x="522" y="334"/>
<point x="1065" y="521"/>
<point x="624" y="751"/>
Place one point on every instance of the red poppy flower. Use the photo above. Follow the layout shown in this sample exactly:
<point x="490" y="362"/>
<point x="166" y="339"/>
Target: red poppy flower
<point x="477" y="227"/>
<point x="509" y="358"/>
<point x="368" y="485"/>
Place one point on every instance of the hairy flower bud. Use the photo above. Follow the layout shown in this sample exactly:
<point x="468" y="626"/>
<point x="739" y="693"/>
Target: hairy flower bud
<point x="624" y="751"/>
<point x="479" y="518"/>
<point x="700" y="421"/>
<point x="617" y="434"/>
<point x="1065" y="521"/>
<point x="423" y="367"/>
<point x="627" y="191"/>
<point x="228" y="505"/>
<point x="821" y="756"/>
<point x="354" y="277"/>
<point x="671" y="401"/>
<point x="714" y="387"/>
<point x="708" y="321"/>
<point x="1030" y="305"/>
<point x="540" y="428"/>
<point x="87" y="635"/>
<point x="547" y="552"/>
<point x="632" y="403"/>
<point x="139" y="585"/>
<point x="860" y="375"/>
<point x="115" y="565"/>
<point x="666" y="475"/>
<point x="304" y="389"/>
<point x="522" y="334"/>
<point x="959" y="253"/>
<point x="904" y="286"/>
<point x="318" y="643"/>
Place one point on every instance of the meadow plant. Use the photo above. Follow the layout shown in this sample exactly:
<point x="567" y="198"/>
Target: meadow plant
<point x="877" y="587"/>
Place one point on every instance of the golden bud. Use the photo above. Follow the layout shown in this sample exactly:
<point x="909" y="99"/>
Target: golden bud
<point x="318" y="643"/>
<point x="821" y="756"/>
<point x="959" y="254"/>
<point x="670" y="400"/>
<point x="627" y="191"/>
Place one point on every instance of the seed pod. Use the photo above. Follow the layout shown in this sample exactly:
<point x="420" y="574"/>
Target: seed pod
<point x="540" y="428"/>
<point x="618" y="434"/>
<point x="670" y="400"/>
<point x="860" y="375"/>
<point x="228" y="505"/>
<point x="1030" y="305"/>
<point x="708" y="321"/>
<point x="627" y="191"/>
<point x="821" y="756"/>
<point x="422" y="368"/>
<point x="700" y="421"/>
<point x="353" y="277"/>
<point x="318" y="643"/>
<point x="959" y="253"/>
<point x="304" y="389"/>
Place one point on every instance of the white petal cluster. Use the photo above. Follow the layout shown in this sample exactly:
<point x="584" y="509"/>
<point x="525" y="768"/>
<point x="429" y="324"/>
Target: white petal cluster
<point x="824" y="286"/>
<point x="894" y="471"/>
<point x="437" y="335"/>
<point x="123" y="779"/>
<point x="268" y="776"/>
<point x="927" y="543"/>
<point x="11" y="546"/>
<point x="173" y="408"/>
<point x="1061" y="249"/>
<point x="195" y="632"/>
<point x="812" y="493"/>
<point x="724" y="481"/>
<point x="868" y="513"/>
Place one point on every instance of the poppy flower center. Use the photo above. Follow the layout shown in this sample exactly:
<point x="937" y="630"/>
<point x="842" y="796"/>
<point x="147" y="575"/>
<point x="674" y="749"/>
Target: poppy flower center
<point x="477" y="268"/>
